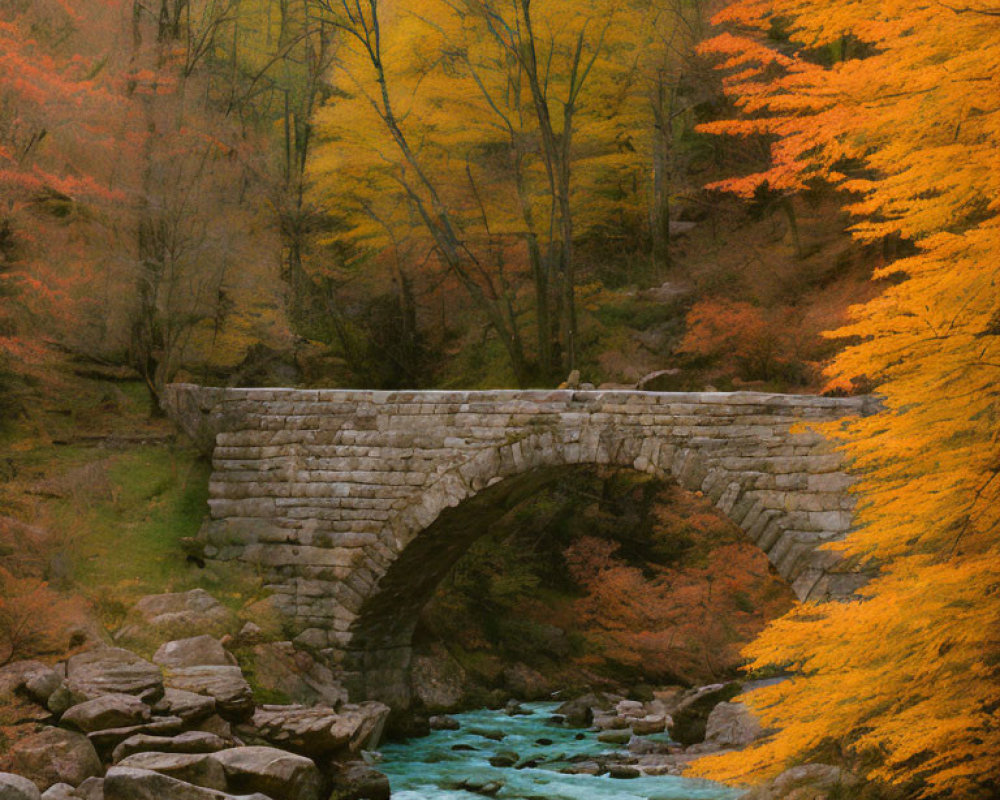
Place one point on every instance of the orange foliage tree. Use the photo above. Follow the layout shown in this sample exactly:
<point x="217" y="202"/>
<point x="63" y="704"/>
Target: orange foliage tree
<point x="896" y="104"/>
<point x="671" y="623"/>
<point x="759" y="348"/>
<point x="34" y="619"/>
<point x="43" y="91"/>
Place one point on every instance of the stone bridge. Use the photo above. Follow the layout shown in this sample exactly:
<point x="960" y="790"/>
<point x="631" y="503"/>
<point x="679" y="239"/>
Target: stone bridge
<point x="355" y="504"/>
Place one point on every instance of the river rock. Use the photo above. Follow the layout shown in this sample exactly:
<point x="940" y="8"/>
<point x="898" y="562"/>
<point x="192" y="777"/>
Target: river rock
<point x="622" y="772"/>
<point x="504" y="758"/>
<point x="186" y="705"/>
<point x="54" y="755"/>
<point x="653" y="723"/>
<point x="640" y="746"/>
<point x="320" y="730"/>
<point x="806" y="782"/>
<point x="584" y="768"/>
<point x="438" y="680"/>
<point x="111" y="670"/>
<point x="630" y="709"/>
<point x="197" y="768"/>
<point x="281" y="667"/>
<point x="609" y="722"/>
<point x="732" y="725"/>
<point x="170" y="616"/>
<point x="515" y="709"/>
<point x="483" y="786"/>
<point x="130" y="783"/>
<point x="615" y="736"/>
<point x="107" y="711"/>
<point x="226" y="684"/>
<point x="58" y="791"/>
<point x="17" y="787"/>
<point x="579" y="712"/>
<point x="690" y="715"/>
<point x="275" y="773"/>
<point x="187" y="742"/>
<point x="196" y="651"/>
<point x="356" y="780"/>
<point x="443" y="722"/>
<point x="493" y="734"/>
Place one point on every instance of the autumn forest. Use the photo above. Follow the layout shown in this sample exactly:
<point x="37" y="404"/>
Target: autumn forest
<point x="793" y="197"/>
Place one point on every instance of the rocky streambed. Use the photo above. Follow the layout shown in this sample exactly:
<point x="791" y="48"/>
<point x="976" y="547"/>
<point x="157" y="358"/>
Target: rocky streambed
<point x="184" y="724"/>
<point x="533" y="754"/>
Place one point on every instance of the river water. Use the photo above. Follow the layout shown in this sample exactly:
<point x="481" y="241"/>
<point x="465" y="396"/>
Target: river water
<point x="429" y="768"/>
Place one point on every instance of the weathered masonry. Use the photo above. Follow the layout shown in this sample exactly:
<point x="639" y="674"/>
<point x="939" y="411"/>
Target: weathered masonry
<point x="354" y="504"/>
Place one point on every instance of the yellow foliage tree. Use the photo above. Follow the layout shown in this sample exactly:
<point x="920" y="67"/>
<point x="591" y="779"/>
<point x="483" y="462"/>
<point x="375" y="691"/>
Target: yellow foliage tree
<point x="897" y="104"/>
<point x="488" y="138"/>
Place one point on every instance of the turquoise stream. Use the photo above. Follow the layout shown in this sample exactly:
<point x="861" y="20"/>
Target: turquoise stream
<point x="429" y="769"/>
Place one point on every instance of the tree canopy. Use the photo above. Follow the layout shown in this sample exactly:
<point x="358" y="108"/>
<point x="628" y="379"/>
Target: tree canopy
<point x="895" y="104"/>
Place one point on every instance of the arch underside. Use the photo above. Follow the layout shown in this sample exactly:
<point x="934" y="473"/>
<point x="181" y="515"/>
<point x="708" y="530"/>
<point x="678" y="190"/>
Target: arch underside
<point x="378" y="649"/>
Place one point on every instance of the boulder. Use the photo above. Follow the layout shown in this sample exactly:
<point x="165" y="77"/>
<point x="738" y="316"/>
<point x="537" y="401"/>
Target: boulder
<point x="443" y="722"/>
<point x="275" y="773"/>
<point x="358" y="781"/>
<point x="579" y="712"/>
<point x="107" y="711"/>
<point x="226" y="684"/>
<point x="322" y="731"/>
<point x="652" y="723"/>
<point x="690" y="715"/>
<point x="169" y="616"/>
<point x="107" y="740"/>
<point x="188" y="742"/>
<point x="217" y="725"/>
<point x="54" y="755"/>
<point x="197" y="768"/>
<point x="111" y="670"/>
<point x="91" y="789"/>
<point x="196" y="651"/>
<point x="31" y="679"/>
<point x="250" y="634"/>
<point x="438" y="681"/>
<point x="16" y="787"/>
<point x="282" y="668"/>
<point x="130" y="783"/>
<point x="732" y="725"/>
<point x="189" y="706"/>
<point x="806" y="782"/>
<point x="58" y="791"/>
<point x="526" y="683"/>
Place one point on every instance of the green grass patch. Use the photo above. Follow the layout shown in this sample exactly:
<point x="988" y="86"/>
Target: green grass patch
<point x="124" y="530"/>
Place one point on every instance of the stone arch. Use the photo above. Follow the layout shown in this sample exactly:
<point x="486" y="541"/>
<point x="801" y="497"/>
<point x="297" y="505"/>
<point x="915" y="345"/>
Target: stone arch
<point x="429" y="536"/>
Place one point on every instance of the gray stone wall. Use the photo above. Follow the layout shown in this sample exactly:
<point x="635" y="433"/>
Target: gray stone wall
<point x="331" y="492"/>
